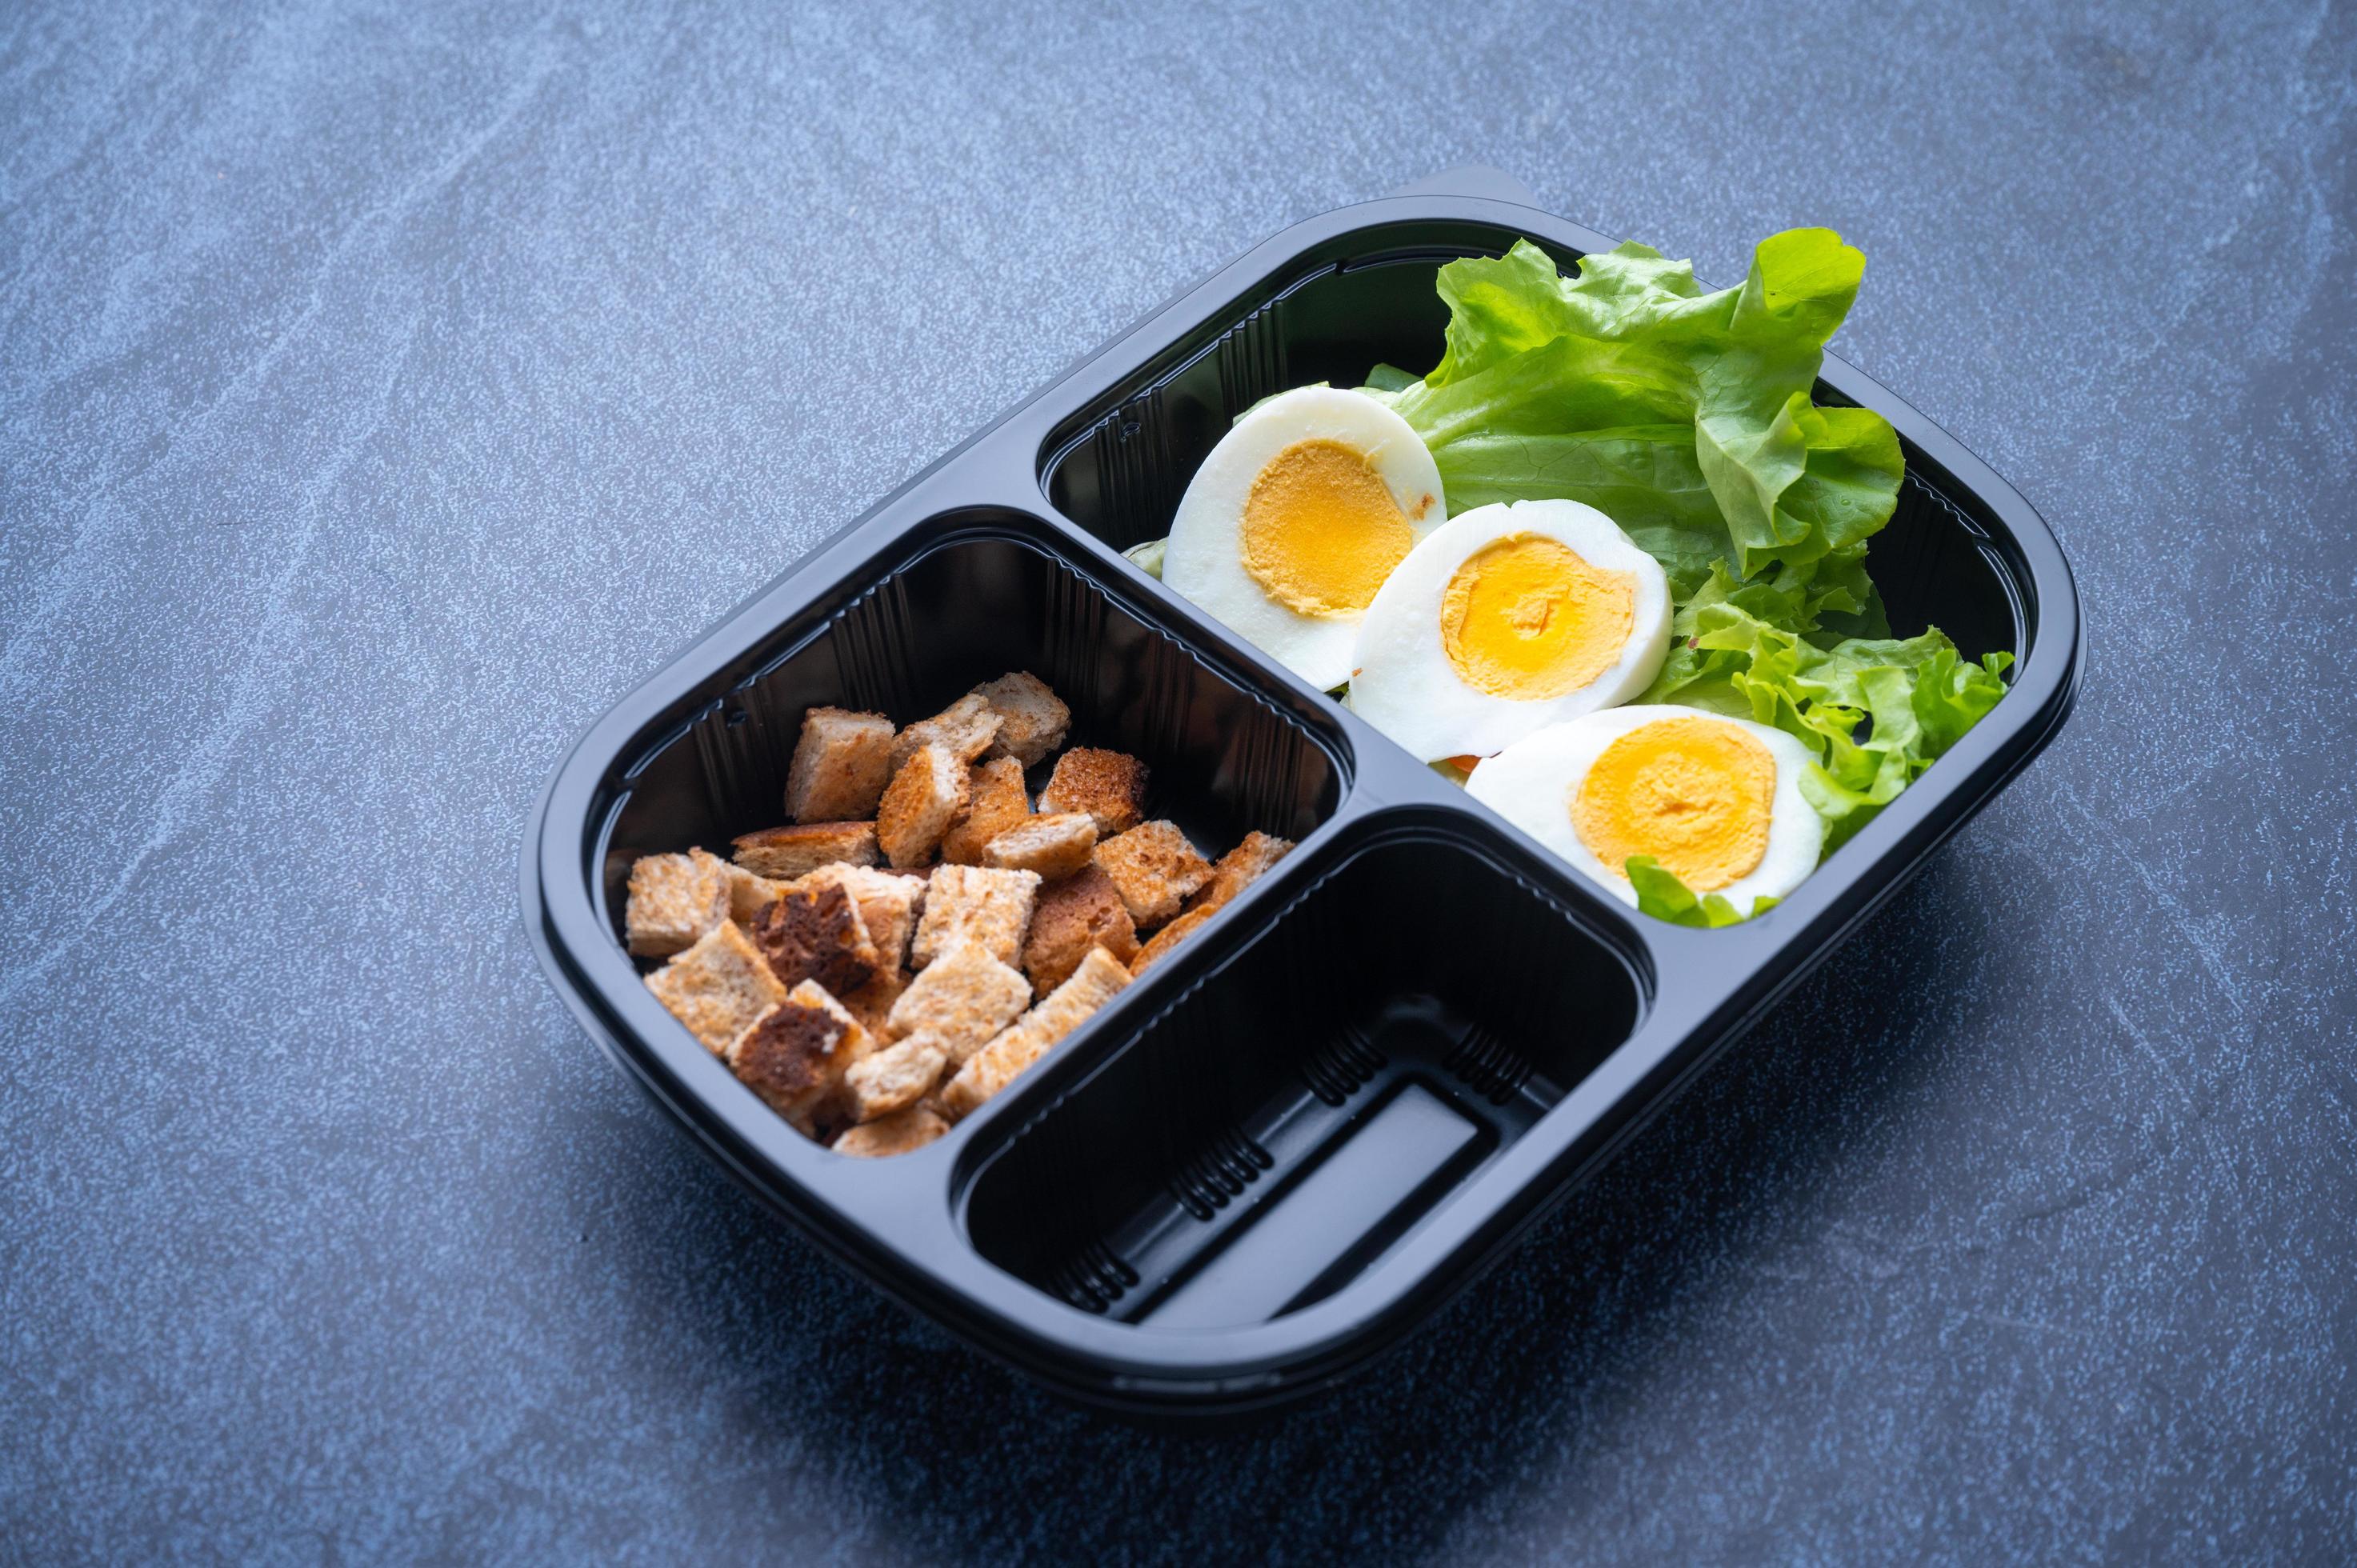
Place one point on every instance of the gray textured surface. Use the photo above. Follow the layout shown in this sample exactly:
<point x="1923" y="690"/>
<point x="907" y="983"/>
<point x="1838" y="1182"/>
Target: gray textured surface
<point x="384" y="390"/>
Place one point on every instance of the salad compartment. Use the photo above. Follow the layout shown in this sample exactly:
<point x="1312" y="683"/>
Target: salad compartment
<point x="1317" y="1091"/>
<point x="1286" y="1144"/>
<point x="1118" y="467"/>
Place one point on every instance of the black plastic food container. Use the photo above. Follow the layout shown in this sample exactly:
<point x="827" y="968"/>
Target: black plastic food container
<point x="1319" y="1118"/>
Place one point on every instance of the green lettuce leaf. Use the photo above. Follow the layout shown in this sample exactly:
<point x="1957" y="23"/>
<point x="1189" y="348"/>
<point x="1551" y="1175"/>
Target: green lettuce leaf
<point x="1687" y="417"/>
<point x="1661" y="895"/>
<point x="1147" y="557"/>
<point x="1684" y="415"/>
<point x="1875" y="712"/>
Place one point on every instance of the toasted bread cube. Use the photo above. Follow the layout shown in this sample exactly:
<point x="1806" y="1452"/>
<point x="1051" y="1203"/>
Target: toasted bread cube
<point x="919" y="883"/>
<point x="1054" y="846"/>
<point x="1097" y="980"/>
<point x="961" y="999"/>
<point x="887" y="905"/>
<point x="1082" y="911"/>
<point x="1154" y="867"/>
<point x="795" y="1055"/>
<point x="924" y="798"/>
<point x="1169" y="937"/>
<point x="841" y="762"/>
<point x="1031" y="718"/>
<point x="1240" y="868"/>
<point x="718" y="986"/>
<point x="894" y="1078"/>
<point x="872" y="1003"/>
<point x="996" y="803"/>
<point x="790" y="852"/>
<point x="1108" y="785"/>
<point x="964" y="729"/>
<point x="976" y="904"/>
<point x="817" y="934"/>
<point x="898" y="1133"/>
<point x="749" y="894"/>
<point x="673" y="900"/>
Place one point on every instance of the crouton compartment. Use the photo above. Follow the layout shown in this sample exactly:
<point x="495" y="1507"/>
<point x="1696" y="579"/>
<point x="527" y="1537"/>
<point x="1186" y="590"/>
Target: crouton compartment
<point x="1339" y="1072"/>
<point x="1222" y="759"/>
<point x="958" y="804"/>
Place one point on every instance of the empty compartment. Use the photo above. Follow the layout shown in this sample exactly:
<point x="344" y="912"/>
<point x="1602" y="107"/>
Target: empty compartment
<point x="967" y="599"/>
<point x="1120" y="467"/>
<point x="1272" y="1133"/>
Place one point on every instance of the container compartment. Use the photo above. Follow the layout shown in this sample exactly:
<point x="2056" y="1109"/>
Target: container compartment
<point x="1119" y="468"/>
<point x="983" y="593"/>
<point x="1317" y="1095"/>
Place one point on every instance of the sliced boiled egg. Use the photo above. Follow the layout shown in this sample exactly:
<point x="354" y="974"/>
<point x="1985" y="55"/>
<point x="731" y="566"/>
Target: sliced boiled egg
<point x="1715" y="800"/>
<point x="1295" y="519"/>
<point x="1505" y="619"/>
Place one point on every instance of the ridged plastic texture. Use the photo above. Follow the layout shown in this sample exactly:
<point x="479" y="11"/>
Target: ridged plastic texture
<point x="1327" y="1110"/>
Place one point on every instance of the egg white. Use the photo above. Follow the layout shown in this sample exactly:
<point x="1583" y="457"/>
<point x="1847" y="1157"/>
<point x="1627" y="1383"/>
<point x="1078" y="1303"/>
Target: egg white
<point x="1402" y="681"/>
<point x="1532" y="782"/>
<point x="1204" y="562"/>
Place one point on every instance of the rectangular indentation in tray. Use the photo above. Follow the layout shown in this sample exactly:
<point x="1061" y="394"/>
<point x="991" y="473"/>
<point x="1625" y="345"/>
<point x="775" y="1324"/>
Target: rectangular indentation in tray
<point x="1364" y="1190"/>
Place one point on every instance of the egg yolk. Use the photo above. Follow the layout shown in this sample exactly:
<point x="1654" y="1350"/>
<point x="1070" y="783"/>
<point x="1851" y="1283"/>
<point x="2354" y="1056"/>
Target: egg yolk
<point x="1321" y="530"/>
<point x="1692" y="793"/>
<point x="1527" y="618"/>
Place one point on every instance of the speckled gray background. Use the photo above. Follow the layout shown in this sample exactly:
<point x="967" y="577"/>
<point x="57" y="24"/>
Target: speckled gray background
<point x="384" y="389"/>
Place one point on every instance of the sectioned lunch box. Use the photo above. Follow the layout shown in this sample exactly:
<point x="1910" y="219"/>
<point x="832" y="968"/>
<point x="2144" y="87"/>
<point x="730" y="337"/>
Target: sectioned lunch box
<point x="1293" y="1139"/>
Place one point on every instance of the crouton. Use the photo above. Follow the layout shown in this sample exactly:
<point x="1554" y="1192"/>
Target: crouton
<point x="1154" y="867"/>
<point x="749" y="894"/>
<point x="894" y="1078"/>
<point x="1080" y="912"/>
<point x="1108" y="785"/>
<point x="788" y="853"/>
<point x="1169" y="937"/>
<point x="887" y="905"/>
<point x="961" y="999"/>
<point x="841" y="762"/>
<point x="1097" y="980"/>
<point x="898" y="1133"/>
<point x="996" y="803"/>
<point x="796" y="1054"/>
<point x="976" y="904"/>
<point x="817" y="934"/>
<point x="964" y="729"/>
<point x="673" y="900"/>
<point x="718" y="986"/>
<point x="924" y="798"/>
<point x="872" y="1003"/>
<point x="1053" y="846"/>
<point x="1031" y="718"/>
<point x="1239" y="869"/>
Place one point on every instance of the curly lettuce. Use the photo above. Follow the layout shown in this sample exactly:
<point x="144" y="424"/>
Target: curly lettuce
<point x="1684" y="415"/>
<point x="1687" y="417"/>
<point x="1876" y="711"/>
<point x="1661" y="895"/>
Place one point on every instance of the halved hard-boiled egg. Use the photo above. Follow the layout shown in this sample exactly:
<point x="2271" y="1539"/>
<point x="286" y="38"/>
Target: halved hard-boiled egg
<point x="1505" y="619"/>
<point x="1715" y="800"/>
<point x="1295" y="519"/>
